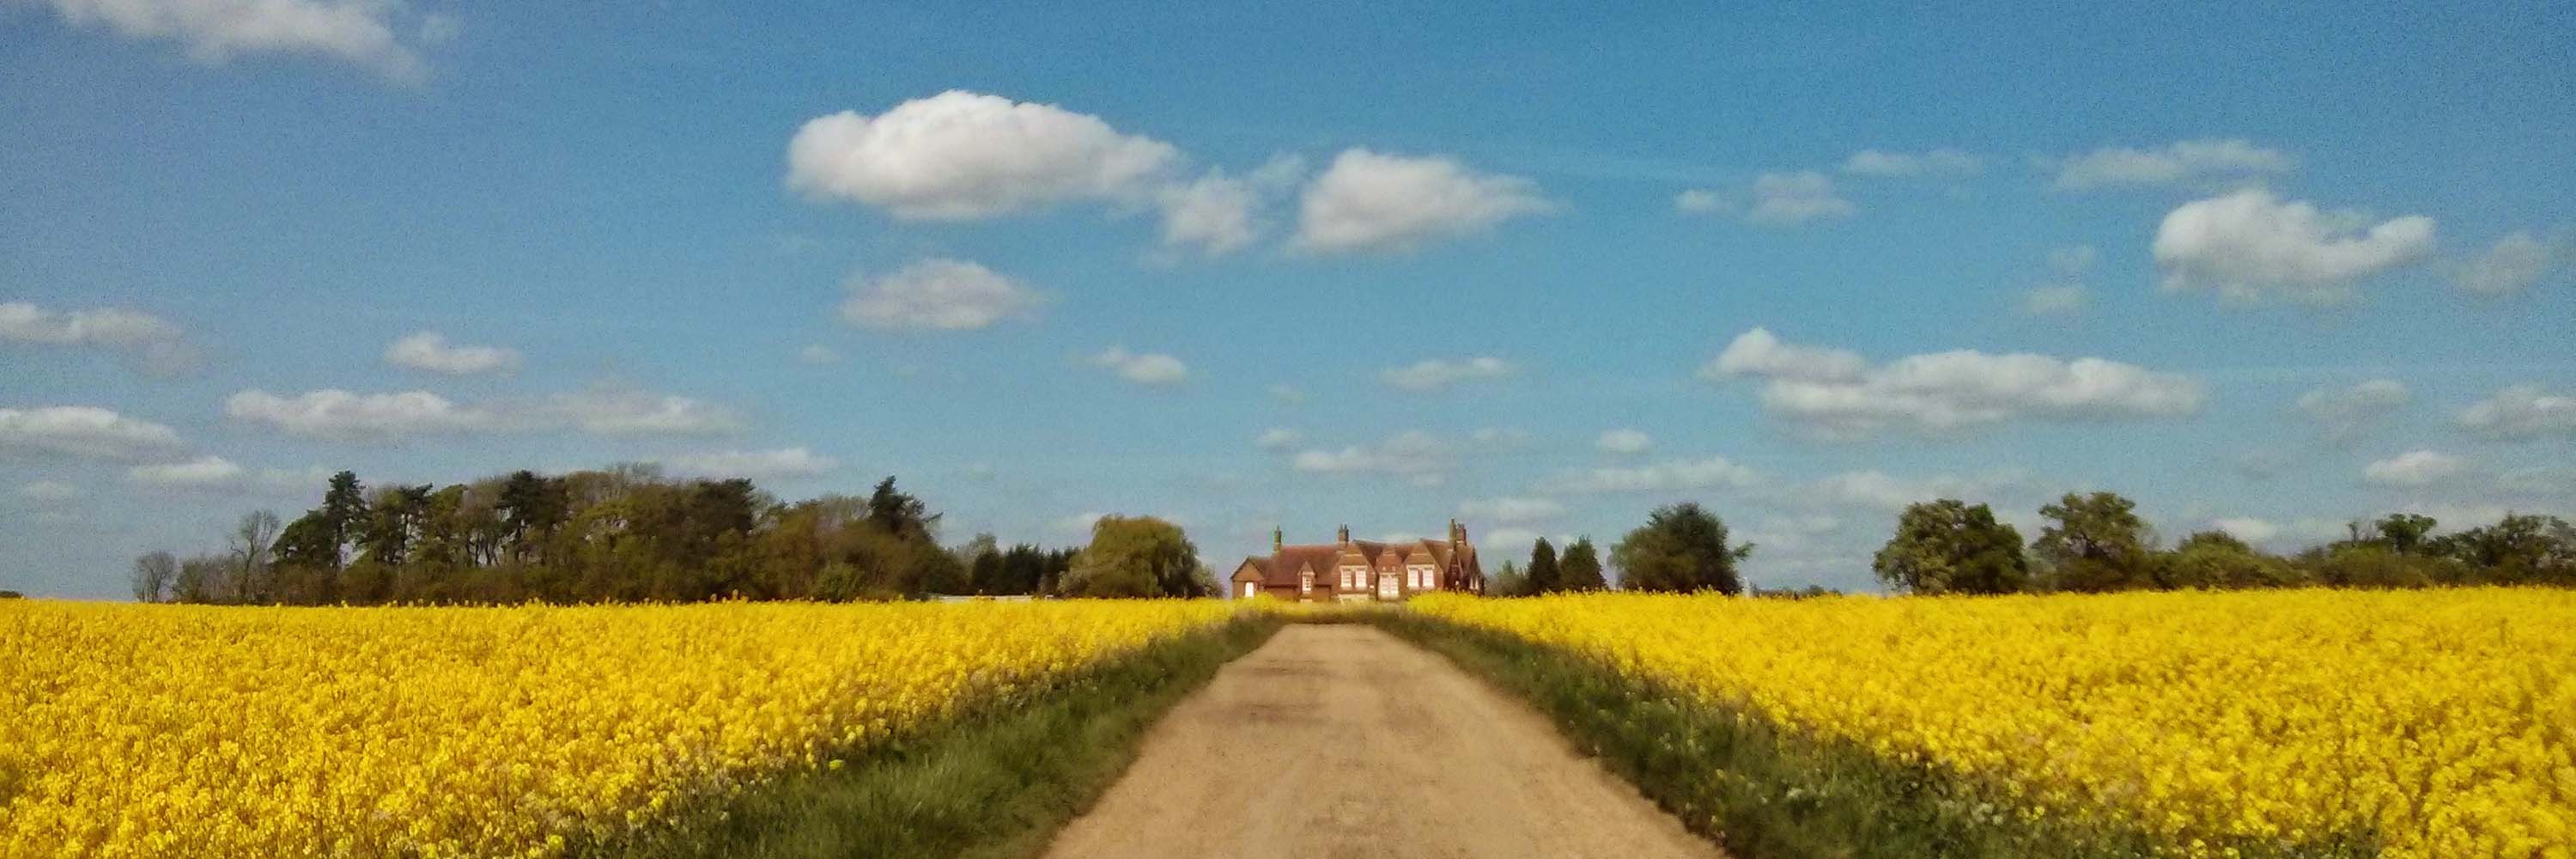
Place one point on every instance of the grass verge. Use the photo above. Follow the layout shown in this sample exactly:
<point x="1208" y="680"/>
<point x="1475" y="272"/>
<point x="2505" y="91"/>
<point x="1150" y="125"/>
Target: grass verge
<point x="1763" y="792"/>
<point x="996" y="783"/>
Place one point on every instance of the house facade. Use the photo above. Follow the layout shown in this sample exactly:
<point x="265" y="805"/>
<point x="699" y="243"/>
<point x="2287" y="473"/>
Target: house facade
<point x="1348" y="570"/>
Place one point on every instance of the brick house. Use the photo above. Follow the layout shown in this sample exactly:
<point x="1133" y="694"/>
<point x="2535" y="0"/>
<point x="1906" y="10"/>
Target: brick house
<point x="1348" y="570"/>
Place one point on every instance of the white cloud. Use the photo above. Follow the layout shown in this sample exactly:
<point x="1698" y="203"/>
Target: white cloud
<point x="2183" y="161"/>
<point x="1435" y="374"/>
<point x="1878" y="490"/>
<point x="2544" y="480"/>
<point x="340" y="415"/>
<point x="1278" y="438"/>
<point x="1677" y="475"/>
<point x="2341" y="412"/>
<point x="2067" y="265"/>
<point x="430" y="351"/>
<point x="756" y="464"/>
<point x="2520" y="412"/>
<point x="1506" y="544"/>
<point x="48" y="490"/>
<point x="938" y="295"/>
<point x="2513" y="264"/>
<point x="1076" y="524"/>
<point x="624" y="410"/>
<point x="1624" y="441"/>
<point x="2414" y="469"/>
<point x="2279" y="535"/>
<point x="2250" y="247"/>
<point x="217" y="473"/>
<point x="203" y="471"/>
<point x="83" y="431"/>
<point x="345" y="416"/>
<point x="1213" y="214"/>
<point x="2055" y="300"/>
<point x="1796" y="198"/>
<point x="2248" y="529"/>
<point x="818" y="355"/>
<point x="1143" y="369"/>
<point x="1760" y="353"/>
<point x="1516" y="510"/>
<point x="960" y="155"/>
<point x="1835" y="393"/>
<point x="1367" y="201"/>
<point x="360" y="32"/>
<point x="1700" y="201"/>
<point x="153" y="344"/>
<point x="1938" y="162"/>
<point x="1414" y="454"/>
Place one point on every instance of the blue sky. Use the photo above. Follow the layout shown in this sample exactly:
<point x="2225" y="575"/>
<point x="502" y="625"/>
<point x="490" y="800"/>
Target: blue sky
<point x="2261" y="269"/>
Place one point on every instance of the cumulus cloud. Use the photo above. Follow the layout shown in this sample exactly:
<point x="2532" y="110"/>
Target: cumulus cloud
<point x="1937" y="162"/>
<point x="1677" y="475"/>
<point x="2058" y="300"/>
<point x="2513" y="264"/>
<point x="345" y="416"/>
<point x="1143" y="369"/>
<point x="1436" y="374"/>
<point x="2179" y="162"/>
<point x="2279" y="535"/>
<point x="1512" y="509"/>
<point x="755" y="464"/>
<point x="1878" y="490"/>
<point x="961" y="155"/>
<point x="150" y="343"/>
<point x="2521" y="412"/>
<point x="1214" y="214"/>
<point x="2251" y="247"/>
<point x="212" y="472"/>
<point x="2413" y="469"/>
<point x="87" y="432"/>
<point x="339" y="415"/>
<point x="48" y="490"/>
<point x="1278" y="438"/>
<point x="625" y="410"/>
<point x="359" y="32"/>
<point x="1796" y="198"/>
<point x="1418" y="456"/>
<point x="1700" y="201"/>
<point x="1836" y="394"/>
<point x="938" y="295"/>
<point x="1624" y="441"/>
<point x="430" y="351"/>
<point x="1371" y="202"/>
<point x="2342" y="412"/>
<point x="2065" y="294"/>
<point x="818" y="355"/>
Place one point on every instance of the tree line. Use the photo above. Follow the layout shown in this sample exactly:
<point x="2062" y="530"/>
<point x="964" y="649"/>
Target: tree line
<point x="1682" y="548"/>
<point x="629" y="534"/>
<point x="2088" y="543"/>
<point x="2095" y="542"/>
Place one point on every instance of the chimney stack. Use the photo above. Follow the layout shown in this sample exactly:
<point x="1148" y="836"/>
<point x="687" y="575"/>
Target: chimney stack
<point x="1344" y="535"/>
<point x="1278" y="538"/>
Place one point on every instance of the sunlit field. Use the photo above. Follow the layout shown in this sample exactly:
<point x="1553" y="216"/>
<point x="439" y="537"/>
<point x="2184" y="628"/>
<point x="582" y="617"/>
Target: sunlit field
<point x="2435" y="724"/>
<point x="237" y="732"/>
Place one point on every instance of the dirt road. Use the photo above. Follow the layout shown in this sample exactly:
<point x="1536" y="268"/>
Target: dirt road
<point x="1342" y="742"/>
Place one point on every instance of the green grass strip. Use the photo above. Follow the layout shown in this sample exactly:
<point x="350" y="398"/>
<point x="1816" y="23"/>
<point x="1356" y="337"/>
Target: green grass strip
<point x="1764" y="792"/>
<point x="996" y="783"/>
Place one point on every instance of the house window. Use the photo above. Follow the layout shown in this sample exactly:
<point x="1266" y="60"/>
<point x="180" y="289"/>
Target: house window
<point x="1306" y="581"/>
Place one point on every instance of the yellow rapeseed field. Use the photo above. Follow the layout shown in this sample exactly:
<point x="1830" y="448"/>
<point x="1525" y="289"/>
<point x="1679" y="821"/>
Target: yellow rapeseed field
<point x="176" y="731"/>
<point x="2443" y="721"/>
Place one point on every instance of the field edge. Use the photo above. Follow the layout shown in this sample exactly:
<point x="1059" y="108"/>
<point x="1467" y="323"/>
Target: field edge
<point x="1763" y="792"/>
<point x="995" y="784"/>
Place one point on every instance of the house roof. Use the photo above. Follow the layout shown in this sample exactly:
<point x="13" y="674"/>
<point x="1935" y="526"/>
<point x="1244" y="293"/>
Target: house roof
<point x="1280" y="568"/>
